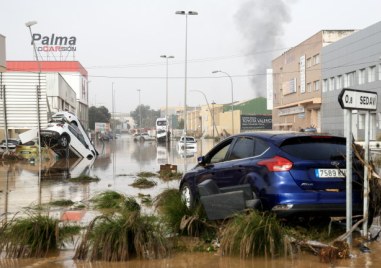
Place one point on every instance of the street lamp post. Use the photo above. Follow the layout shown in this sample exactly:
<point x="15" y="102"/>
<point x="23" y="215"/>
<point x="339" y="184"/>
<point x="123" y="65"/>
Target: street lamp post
<point x="113" y="111"/>
<point x="189" y="13"/>
<point x="166" y="95"/>
<point x="140" y="111"/>
<point x="213" y="119"/>
<point x="231" y="85"/>
<point x="29" y="24"/>
<point x="210" y="111"/>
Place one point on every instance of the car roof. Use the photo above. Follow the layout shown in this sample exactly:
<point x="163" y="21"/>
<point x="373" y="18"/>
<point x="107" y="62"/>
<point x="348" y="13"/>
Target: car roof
<point x="279" y="138"/>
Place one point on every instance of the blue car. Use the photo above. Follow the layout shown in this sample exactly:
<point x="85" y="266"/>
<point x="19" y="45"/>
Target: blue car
<point x="293" y="174"/>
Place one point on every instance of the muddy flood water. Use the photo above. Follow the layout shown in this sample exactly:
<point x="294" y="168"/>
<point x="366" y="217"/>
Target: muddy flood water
<point x="117" y="166"/>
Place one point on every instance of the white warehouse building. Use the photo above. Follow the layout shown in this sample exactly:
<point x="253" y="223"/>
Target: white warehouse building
<point x="63" y="87"/>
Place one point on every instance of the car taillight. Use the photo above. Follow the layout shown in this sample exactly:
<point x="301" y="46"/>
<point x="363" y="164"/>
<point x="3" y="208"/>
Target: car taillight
<point x="276" y="163"/>
<point x="60" y="125"/>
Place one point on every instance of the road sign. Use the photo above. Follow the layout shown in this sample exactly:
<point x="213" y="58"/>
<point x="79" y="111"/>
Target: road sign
<point x="352" y="99"/>
<point x="358" y="99"/>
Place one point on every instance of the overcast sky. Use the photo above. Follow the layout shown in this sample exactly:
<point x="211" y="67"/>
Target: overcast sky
<point x="120" y="42"/>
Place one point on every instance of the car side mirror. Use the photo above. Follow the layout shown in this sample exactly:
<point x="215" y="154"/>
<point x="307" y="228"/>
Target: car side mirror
<point x="201" y="160"/>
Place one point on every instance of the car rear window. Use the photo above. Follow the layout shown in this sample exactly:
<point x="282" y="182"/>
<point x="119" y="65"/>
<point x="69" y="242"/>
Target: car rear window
<point x="315" y="147"/>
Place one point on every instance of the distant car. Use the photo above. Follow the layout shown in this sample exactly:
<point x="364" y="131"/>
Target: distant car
<point x="310" y="129"/>
<point x="11" y="145"/>
<point x="191" y="144"/>
<point x="27" y="150"/>
<point x="294" y="174"/>
<point x="60" y="135"/>
<point x="143" y="137"/>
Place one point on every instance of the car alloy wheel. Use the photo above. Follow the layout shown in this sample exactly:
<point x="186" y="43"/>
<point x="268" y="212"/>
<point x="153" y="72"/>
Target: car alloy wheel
<point x="64" y="141"/>
<point x="186" y="195"/>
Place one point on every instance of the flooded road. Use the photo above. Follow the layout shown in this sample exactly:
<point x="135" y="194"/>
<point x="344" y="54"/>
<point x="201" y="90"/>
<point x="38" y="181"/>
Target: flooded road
<point x="117" y="167"/>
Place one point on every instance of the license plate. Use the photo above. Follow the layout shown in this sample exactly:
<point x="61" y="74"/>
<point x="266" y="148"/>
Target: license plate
<point x="330" y="173"/>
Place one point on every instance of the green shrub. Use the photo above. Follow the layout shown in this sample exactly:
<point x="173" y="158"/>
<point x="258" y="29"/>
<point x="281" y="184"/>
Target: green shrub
<point x="253" y="234"/>
<point x="62" y="203"/>
<point x="143" y="183"/>
<point x="112" y="201"/>
<point x="108" y="200"/>
<point x="179" y="219"/>
<point x="83" y="179"/>
<point x="34" y="236"/>
<point x="146" y="174"/>
<point x="122" y="237"/>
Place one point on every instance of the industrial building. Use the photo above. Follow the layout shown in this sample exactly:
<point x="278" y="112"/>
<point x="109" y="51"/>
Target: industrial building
<point x="34" y="90"/>
<point x="296" y="83"/>
<point x="353" y="62"/>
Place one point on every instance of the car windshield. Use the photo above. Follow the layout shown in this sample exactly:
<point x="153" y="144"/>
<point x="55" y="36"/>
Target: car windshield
<point x="191" y="139"/>
<point x="315" y="147"/>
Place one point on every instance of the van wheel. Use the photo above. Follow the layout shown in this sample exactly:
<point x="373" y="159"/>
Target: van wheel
<point x="64" y="141"/>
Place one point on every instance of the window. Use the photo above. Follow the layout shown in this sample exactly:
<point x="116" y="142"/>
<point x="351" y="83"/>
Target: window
<point x="317" y="85"/>
<point x="220" y="153"/>
<point x="309" y="87"/>
<point x="331" y="83"/>
<point x="339" y="82"/>
<point x="260" y="147"/>
<point x="361" y="124"/>
<point x="315" y="148"/>
<point x="372" y="74"/>
<point x="243" y="148"/>
<point x="349" y="79"/>
<point x="325" y="85"/>
<point x="362" y="76"/>
<point x="309" y="62"/>
<point x="316" y="59"/>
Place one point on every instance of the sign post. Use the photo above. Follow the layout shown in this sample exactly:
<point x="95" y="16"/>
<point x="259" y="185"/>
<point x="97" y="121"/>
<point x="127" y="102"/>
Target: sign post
<point x="351" y="99"/>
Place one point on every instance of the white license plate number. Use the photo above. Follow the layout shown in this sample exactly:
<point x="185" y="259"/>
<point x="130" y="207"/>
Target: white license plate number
<point x="330" y="173"/>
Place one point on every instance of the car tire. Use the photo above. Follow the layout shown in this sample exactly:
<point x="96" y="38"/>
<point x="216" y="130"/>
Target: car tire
<point x="64" y="141"/>
<point x="186" y="195"/>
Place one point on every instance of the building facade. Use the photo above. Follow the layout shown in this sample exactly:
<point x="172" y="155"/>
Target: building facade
<point x="32" y="91"/>
<point x="217" y="119"/>
<point x="296" y="89"/>
<point x="353" y="62"/>
<point x="72" y="72"/>
<point x="23" y="103"/>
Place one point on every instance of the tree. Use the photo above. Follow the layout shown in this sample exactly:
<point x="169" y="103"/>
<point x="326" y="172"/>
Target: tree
<point x="148" y="116"/>
<point x="98" y="114"/>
